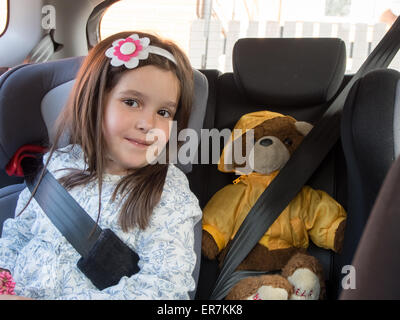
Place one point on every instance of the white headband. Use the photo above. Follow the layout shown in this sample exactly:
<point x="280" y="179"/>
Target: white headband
<point x="129" y="51"/>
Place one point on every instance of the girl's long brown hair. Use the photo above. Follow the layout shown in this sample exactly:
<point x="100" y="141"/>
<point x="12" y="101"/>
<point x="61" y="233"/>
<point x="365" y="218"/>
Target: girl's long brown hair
<point x="83" y="116"/>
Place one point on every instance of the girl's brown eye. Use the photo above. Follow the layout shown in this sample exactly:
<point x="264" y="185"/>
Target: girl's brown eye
<point x="288" y="141"/>
<point x="131" y="103"/>
<point x="164" y="113"/>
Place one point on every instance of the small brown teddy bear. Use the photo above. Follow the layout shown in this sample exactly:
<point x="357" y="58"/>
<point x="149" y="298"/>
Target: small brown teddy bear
<point x="311" y="214"/>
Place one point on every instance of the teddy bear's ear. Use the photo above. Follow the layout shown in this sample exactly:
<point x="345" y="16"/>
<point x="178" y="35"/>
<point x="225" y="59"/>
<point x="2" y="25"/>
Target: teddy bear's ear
<point x="303" y="127"/>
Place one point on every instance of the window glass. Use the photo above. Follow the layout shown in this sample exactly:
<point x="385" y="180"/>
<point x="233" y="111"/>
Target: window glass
<point x="3" y="15"/>
<point x="207" y="30"/>
<point x="171" y="19"/>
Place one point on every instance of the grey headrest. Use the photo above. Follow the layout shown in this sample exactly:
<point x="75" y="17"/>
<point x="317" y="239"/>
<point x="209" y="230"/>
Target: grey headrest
<point x="284" y="72"/>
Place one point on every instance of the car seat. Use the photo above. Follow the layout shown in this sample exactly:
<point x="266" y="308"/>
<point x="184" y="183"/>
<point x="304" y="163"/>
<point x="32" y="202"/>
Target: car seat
<point x="31" y="97"/>
<point x="377" y="260"/>
<point x="371" y="142"/>
<point x="297" y="77"/>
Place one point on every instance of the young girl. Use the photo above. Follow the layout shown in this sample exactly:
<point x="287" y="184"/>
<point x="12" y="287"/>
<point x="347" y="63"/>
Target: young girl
<point x="130" y="85"/>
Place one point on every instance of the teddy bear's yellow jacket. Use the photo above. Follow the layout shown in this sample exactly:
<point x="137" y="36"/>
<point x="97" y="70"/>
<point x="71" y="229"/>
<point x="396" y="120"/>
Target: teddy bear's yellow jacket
<point x="311" y="214"/>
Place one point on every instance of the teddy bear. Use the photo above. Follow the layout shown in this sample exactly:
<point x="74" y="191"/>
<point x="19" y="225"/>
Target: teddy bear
<point x="312" y="214"/>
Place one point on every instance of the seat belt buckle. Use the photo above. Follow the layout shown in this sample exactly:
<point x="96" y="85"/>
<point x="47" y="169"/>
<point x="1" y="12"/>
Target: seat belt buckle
<point x="14" y="166"/>
<point x="108" y="261"/>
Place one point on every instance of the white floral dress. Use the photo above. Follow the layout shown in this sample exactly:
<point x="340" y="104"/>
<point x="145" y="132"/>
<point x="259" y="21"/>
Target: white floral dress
<point x="43" y="263"/>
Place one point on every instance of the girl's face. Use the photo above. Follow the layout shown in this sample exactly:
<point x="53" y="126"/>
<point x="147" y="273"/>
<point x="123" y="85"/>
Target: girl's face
<point x="143" y="101"/>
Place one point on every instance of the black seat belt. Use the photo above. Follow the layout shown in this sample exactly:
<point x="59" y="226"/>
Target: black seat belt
<point x="105" y="258"/>
<point x="65" y="213"/>
<point x="298" y="170"/>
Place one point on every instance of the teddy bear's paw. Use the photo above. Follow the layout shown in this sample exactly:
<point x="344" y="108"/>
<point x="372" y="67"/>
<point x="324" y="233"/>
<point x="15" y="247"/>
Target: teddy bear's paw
<point x="339" y="237"/>
<point x="265" y="287"/>
<point x="305" y="274"/>
<point x="269" y="293"/>
<point x="306" y="285"/>
<point x="208" y="246"/>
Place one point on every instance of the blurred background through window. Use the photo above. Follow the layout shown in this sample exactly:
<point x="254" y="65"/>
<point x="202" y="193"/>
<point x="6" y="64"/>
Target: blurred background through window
<point x="207" y="29"/>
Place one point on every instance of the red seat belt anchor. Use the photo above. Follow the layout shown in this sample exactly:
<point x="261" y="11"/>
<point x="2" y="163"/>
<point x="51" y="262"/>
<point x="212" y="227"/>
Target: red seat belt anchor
<point x="14" y="167"/>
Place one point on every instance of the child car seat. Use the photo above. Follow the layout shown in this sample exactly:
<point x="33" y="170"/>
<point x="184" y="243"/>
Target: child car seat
<point x="378" y="252"/>
<point x="371" y="142"/>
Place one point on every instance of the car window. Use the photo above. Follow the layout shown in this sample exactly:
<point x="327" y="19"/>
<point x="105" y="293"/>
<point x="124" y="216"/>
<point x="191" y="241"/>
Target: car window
<point x="171" y="19"/>
<point x="3" y="15"/>
<point x="207" y="30"/>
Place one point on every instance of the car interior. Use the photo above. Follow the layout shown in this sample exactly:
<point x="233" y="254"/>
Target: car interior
<point x="299" y="77"/>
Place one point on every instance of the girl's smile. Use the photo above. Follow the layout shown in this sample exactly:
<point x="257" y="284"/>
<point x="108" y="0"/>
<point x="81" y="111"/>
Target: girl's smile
<point x="139" y="143"/>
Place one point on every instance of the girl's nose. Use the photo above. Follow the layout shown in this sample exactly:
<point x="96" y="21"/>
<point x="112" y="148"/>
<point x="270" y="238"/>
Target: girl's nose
<point x="145" y="122"/>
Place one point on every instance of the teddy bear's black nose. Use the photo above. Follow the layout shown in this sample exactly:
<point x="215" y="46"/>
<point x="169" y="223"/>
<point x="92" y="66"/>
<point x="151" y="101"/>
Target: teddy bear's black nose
<point x="266" y="142"/>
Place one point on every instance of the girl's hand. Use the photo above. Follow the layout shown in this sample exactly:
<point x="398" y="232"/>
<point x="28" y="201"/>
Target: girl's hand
<point x="13" y="297"/>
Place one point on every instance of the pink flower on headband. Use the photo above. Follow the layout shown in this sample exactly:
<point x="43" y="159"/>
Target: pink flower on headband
<point x="128" y="51"/>
<point x="7" y="284"/>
